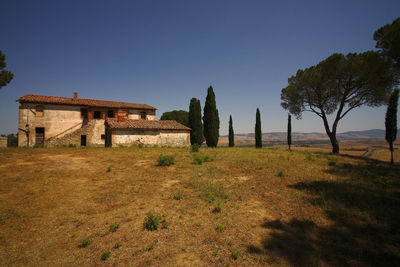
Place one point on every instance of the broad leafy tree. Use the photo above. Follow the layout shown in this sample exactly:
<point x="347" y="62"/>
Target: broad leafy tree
<point x="196" y="132"/>
<point x="211" y="119"/>
<point x="258" y="133"/>
<point x="5" y="75"/>
<point x="231" y="134"/>
<point x="181" y="116"/>
<point x="289" y="131"/>
<point x="391" y="121"/>
<point x="338" y="85"/>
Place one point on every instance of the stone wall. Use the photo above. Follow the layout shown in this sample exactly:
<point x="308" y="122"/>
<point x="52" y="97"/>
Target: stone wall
<point x="150" y="137"/>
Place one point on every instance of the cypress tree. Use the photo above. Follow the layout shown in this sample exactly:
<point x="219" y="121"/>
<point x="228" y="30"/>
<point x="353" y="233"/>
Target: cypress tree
<point x="231" y="134"/>
<point x="391" y="121"/>
<point x="196" y="132"/>
<point x="289" y="131"/>
<point x="258" y="130"/>
<point x="211" y="119"/>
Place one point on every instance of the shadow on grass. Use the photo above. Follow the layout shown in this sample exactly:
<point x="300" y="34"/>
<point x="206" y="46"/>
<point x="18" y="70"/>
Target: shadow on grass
<point x="364" y="207"/>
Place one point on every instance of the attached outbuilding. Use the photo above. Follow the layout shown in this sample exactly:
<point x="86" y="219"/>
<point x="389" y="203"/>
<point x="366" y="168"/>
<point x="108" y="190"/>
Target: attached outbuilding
<point x="127" y="132"/>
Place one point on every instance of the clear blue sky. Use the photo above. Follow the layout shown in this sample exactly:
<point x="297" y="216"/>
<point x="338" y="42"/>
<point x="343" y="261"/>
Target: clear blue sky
<point x="163" y="53"/>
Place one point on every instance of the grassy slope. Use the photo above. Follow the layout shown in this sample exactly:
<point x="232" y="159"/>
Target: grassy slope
<point x="277" y="207"/>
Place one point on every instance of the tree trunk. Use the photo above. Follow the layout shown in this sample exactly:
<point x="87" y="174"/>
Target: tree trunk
<point x="335" y="144"/>
<point x="391" y="153"/>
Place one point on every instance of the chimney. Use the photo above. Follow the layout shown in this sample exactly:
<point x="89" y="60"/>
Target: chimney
<point x="75" y="96"/>
<point x="121" y="116"/>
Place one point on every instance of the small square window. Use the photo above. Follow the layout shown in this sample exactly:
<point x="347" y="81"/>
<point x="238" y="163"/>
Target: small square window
<point x="110" y="114"/>
<point x="97" y="115"/>
<point x="143" y="115"/>
<point x="103" y="136"/>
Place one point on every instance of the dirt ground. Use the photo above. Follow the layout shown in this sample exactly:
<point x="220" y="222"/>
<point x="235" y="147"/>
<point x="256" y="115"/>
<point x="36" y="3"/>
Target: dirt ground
<point x="240" y="207"/>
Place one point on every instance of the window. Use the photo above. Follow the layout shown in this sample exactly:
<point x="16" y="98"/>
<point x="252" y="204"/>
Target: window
<point x="97" y="114"/>
<point x="110" y="114"/>
<point x="143" y="115"/>
<point x="103" y="136"/>
<point x="39" y="111"/>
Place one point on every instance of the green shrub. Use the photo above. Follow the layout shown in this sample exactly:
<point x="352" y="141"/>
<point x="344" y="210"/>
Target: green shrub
<point x="165" y="160"/>
<point x="114" y="227"/>
<point x="117" y="245"/>
<point x="151" y="222"/>
<point x="194" y="148"/>
<point x="84" y="243"/>
<point x="235" y="254"/>
<point x="105" y="255"/>
<point x="197" y="159"/>
<point x="109" y="169"/>
<point x="281" y="173"/>
<point x="219" y="228"/>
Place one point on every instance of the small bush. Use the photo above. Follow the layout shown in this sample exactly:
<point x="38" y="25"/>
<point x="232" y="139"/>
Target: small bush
<point x="165" y="160"/>
<point x="151" y="222"/>
<point x="194" y="148"/>
<point x="84" y="243"/>
<point x="114" y="227"/>
<point x="207" y="159"/>
<point x="178" y="195"/>
<point x="105" y="255"/>
<point x="109" y="169"/>
<point x="281" y="173"/>
<point x="235" y="255"/>
<point x="117" y="245"/>
<point x="219" y="228"/>
<point x="197" y="159"/>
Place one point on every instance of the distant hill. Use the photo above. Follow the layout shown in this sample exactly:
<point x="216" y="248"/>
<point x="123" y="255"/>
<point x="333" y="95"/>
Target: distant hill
<point x="351" y="135"/>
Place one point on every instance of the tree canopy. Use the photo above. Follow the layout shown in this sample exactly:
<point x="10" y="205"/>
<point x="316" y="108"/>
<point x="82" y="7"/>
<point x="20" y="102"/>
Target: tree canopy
<point x="5" y="75"/>
<point x="211" y="119"/>
<point x="196" y="132"/>
<point x="339" y="84"/>
<point x="388" y="41"/>
<point x="181" y="116"/>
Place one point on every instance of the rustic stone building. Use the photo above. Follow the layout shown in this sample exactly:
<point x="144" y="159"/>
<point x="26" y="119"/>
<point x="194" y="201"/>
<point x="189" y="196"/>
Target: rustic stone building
<point x="55" y="121"/>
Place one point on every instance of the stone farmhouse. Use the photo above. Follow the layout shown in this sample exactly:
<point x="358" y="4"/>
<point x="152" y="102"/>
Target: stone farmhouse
<point x="56" y="121"/>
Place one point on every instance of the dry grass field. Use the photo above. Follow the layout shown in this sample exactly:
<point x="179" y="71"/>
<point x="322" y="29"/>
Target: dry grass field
<point x="224" y="206"/>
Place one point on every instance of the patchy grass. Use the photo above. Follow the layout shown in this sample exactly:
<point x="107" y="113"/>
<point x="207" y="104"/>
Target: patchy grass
<point x="335" y="210"/>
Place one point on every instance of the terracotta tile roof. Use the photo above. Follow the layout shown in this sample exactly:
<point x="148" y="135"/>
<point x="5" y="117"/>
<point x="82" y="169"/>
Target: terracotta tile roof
<point x="146" y="124"/>
<point x="81" y="102"/>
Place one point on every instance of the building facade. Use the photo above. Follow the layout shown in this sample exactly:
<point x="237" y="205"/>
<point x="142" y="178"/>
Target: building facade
<point x="58" y="121"/>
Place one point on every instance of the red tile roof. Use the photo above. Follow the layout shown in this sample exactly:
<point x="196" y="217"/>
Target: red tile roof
<point x="81" y="102"/>
<point x="146" y="124"/>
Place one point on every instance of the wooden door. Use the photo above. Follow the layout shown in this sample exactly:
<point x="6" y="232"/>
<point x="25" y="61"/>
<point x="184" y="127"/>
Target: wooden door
<point x="39" y="136"/>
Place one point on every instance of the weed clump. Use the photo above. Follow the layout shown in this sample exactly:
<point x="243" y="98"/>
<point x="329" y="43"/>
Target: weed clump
<point x="219" y="228"/>
<point x="151" y="222"/>
<point x="281" y="173"/>
<point x="194" y="148"/>
<point x="109" y="169"/>
<point x="151" y="246"/>
<point x="114" y="227"/>
<point x="235" y="254"/>
<point x="199" y="159"/>
<point x="165" y="160"/>
<point x="117" y="245"/>
<point x="178" y="195"/>
<point x="105" y="255"/>
<point x="84" y="243"/>
<point x="217" y="207"/>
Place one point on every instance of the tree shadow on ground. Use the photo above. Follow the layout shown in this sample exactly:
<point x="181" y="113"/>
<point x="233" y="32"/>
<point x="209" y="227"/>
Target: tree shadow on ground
<point x="364" y="208"/>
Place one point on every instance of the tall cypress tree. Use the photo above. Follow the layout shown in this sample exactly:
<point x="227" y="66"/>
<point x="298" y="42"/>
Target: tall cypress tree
<point x="211" y="119"/>
<point x="391" y="121"/>
<point x="289" y="131"/>
<point x="231" y="134"/>
<point x="258" y="130"/>
<point x="196" y="132"/>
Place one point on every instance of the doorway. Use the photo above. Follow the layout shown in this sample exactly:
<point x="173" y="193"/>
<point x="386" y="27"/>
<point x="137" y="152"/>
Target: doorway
<point x="39" y="136"/>
<point x="83" y="140"/>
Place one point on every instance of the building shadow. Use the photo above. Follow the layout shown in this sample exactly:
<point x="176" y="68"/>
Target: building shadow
<point x="364" y="208"/>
